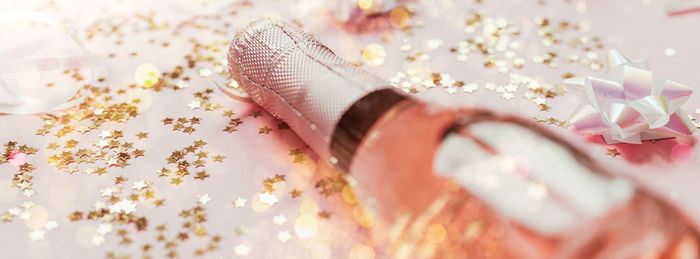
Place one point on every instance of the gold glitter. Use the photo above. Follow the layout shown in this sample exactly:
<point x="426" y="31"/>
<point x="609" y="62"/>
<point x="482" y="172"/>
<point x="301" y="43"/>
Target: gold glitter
<point x="295" y="193"/>
<point x="553" y="121"/>
<point x="255" y="114"/>
<point x="298" y="155"/>
<point x="324" y="214"/>
<point x="142" y="135"/>
<point x="182" y="124"/>
<point x="228" y="113"/>
<point x="264" y="130"/>
<point x="612" y="152"/>
<point x="330" y="185"/>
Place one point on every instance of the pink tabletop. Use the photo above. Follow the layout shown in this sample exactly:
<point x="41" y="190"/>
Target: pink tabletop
<point x="174" y="168"/>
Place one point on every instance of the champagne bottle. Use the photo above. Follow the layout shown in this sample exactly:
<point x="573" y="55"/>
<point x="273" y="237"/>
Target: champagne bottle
<point x="451" y="183"/>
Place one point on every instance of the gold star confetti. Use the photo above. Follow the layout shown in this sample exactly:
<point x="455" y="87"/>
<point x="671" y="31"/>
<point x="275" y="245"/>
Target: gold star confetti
<point x="120" y="179"/>
<point x="201" y="175"/>
<point x="167" y="121"/>
<point x="268" y="183"/>
<point x="298" y="155"/>
<point x="282" y="125"/>
<point x="53" y="146"/>
<point x="330" y="185"/>
<point x="264" y="130"/>
<point x="142" y="135"/>
<point x="17" y="155"/>
<point x="184" y="159"/>
<point x="612" y="152"/>
<point x="228" y="113"/>
<point x="241" y="230"/>
<point x="176" y="180"/>
<point x="553" y="121"/>
<point x="183" y="124"/>
<point x="295" y="193"/>
<point x="75" y="216"/>
<point x="218" y="158"/>
<point x="255" y="114"/>
<point x="202" y="100"/>
<point x="233" y="125"/>
<point x="324" y="214"/>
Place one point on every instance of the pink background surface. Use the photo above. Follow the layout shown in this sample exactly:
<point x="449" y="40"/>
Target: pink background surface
<point x="639" y="29"/>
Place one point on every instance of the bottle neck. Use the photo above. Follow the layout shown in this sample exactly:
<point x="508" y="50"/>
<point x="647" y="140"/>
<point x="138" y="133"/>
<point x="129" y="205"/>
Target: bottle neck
<point x="357" y="121"/>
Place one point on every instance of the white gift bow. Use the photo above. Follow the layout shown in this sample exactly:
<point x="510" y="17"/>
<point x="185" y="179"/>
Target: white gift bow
<point x="627" y="103"/>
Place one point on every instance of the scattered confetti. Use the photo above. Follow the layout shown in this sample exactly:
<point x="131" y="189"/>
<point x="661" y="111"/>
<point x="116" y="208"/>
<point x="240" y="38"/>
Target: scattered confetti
<point x="182" y="124"/>
<point x="239" y="203"/>
<point x="242" y="250"/>
<point x="298" y="155"/>
<point x="284" y="236"/>
<point x="670" y="52"/>
<point x="612" y="152"/>
<point x="279" y="220"/>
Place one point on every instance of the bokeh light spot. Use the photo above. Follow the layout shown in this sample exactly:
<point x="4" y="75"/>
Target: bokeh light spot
<point x="305" y="226"/>
<point x="435" y="233"/>
<point x="361" y="251"/>
<point x="147" y="75"/>
<point x="374" y="54"/>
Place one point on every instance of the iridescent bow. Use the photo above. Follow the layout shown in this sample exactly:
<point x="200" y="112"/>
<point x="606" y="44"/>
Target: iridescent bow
<point x="627" y="103"/>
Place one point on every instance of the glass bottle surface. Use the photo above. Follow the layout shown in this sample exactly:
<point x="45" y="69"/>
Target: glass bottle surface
<point x="422" y="214"/>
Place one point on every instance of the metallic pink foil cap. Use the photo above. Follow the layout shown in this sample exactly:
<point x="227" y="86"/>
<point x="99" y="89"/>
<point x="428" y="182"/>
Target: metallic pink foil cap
<point x="298" y="80"/>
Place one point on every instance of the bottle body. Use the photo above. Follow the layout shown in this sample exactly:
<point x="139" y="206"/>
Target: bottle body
<point x="421" y="213"/>
<point x="444" y="183"/>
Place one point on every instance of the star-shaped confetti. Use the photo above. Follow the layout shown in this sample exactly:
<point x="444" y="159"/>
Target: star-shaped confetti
<point x="284" y="236"/>
<point x="295" y="193"/>
<point x="612" y="152"/>
<point x="242" y="250"/>
<point x="279" y="220"/>
<point x="239" y="202"/>
<point x="264" y="130"/>
<point x="203" y="199"/>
